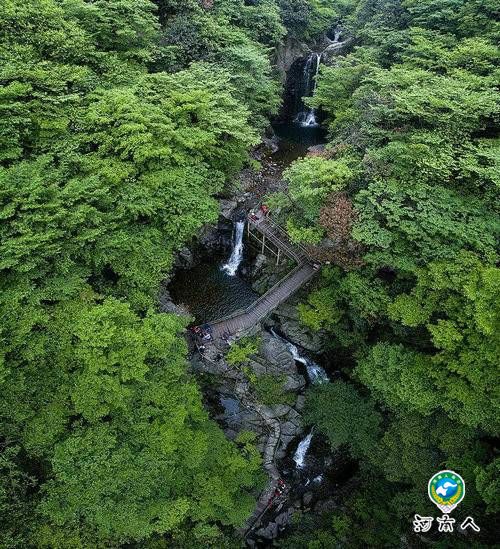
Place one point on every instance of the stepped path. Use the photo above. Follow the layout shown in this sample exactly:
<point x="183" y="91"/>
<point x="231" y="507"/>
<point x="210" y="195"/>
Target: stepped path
<point x="243" y="319"/>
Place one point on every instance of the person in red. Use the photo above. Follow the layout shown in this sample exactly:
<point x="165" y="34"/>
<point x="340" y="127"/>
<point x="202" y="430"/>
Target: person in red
<point x="264" y="209"/>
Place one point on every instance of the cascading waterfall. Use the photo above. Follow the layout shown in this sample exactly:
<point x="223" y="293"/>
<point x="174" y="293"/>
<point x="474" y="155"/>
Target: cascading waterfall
<point x="307" y="117"/>
<point x="300" y="455"/>
<point x="315" y="372"/>
<point x="236" y="257"/>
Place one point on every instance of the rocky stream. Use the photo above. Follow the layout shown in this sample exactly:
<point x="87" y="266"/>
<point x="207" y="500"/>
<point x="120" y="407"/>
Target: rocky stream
<point x="223" y="272"/>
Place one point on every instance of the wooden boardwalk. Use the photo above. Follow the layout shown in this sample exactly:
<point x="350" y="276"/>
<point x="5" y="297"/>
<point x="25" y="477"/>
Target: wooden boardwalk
<point x="244" y="319"/>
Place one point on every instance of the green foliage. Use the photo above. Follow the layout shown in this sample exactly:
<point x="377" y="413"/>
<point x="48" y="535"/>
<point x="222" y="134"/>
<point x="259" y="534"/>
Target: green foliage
<point x="412" y="111"/>
<point x="335" y="408"/>
<point x="300" y="233"/>
<point x="240" y="352"/>
<point x="249" y="72"/>
<point x="15" y="502"/>
<point x="112" y="150"/>
<point x="127" y="416"/>
<point x="487" y="485"/>
<point x="409" y="226"/>
<point x="261" y="21"/>
<point x="269" y="390"/>
<point x="312" y="179"/>
<point x="457" y="304"/>
<point x="320" y="310"/>
<point x="321" y="18"/>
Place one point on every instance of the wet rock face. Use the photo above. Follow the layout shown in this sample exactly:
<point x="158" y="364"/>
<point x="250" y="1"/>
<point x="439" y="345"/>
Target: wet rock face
<point x="166" y="304"/>
<point x="291" y="327"/>
<point x="287" y="55"/>
<point x="228" y="208"/>
<point x="216" y="239"/>
<point x="276" y="355"/>
<point x="275" y="359"/>
<point x="184" y="259"/>
<point x="258" y="265"/>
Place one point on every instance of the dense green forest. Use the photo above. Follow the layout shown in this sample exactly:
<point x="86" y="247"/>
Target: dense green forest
<point x="121" y="122"/>
<point x="410" y="180"/>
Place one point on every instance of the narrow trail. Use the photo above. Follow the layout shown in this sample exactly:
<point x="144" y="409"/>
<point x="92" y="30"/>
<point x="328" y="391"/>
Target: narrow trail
<point x="272" y="425"/>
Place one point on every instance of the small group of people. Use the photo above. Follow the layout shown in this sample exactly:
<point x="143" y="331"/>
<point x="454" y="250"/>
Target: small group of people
<point x="203" y="332"/>
<point x="279" y="490"/>
<point x="263" y="211"/>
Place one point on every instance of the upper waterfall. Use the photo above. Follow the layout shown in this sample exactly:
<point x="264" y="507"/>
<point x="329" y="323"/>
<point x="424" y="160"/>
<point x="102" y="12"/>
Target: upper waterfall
<point x="307" y="116"/>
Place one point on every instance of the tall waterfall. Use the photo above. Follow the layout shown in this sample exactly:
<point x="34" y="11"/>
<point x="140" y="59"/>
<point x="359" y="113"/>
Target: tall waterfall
<point x="307" y="116"/>
<point x="300" y="454"/>
<point x="315" y="372"/>
<point x="231" y="267"/>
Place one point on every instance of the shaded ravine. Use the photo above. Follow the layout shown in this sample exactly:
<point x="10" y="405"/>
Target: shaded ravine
<point x="295" y="139"/>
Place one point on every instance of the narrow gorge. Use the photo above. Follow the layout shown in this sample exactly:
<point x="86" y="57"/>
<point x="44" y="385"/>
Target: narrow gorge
<point x="263" y="392"/>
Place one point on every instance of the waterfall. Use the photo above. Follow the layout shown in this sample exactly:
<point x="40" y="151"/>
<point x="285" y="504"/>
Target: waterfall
<point x="315" y="372"/>
<point x="231" y="267"/>
<point x="300" y="454"/>
<point x="307" y="117"/>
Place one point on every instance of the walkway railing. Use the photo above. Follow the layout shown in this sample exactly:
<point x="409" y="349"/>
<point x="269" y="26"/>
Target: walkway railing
<point x="280" y="291"/>
<point x="279" y="237"/>
<point x="260" y="299"/>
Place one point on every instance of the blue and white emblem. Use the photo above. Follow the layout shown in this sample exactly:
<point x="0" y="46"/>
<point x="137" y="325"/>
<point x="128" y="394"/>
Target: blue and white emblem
<point x="446" y="490"/>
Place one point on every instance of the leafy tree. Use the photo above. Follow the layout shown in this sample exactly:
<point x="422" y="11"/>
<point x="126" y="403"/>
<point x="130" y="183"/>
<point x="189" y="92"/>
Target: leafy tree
<point x="334" y="408"/>
<point x="456" y="304"/>
<point x="130" y="446"/>
<point x="240" y="352"/>
<point x="109" y="163"/>
<point x="406" y="227"/>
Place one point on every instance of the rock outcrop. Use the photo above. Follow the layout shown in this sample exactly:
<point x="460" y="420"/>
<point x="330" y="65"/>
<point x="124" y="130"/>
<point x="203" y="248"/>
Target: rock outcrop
<point x="293" y="330"/>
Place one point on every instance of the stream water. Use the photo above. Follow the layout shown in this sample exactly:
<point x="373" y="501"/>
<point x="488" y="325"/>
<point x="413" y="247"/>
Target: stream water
<point x="209" y="292"/>
<point x="315" y="373"/>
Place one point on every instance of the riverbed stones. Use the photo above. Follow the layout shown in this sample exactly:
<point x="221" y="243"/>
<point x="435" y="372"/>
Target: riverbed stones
<point x="294" y="383"/>
<point x="280" y="410"/>
<point x="168" y="306"/>
<point x="275" y="352"/>
<point x="307" y="498"/>
<point x="184" y="258"/>
<point x="269" y="532"/>
<point x="275" y="359"/>
<point x="316" y="150"/>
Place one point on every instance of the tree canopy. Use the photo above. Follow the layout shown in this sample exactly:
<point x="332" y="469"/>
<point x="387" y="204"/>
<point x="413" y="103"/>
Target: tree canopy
<point x="412" y="111"/>
<point x="116" y="135"/>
